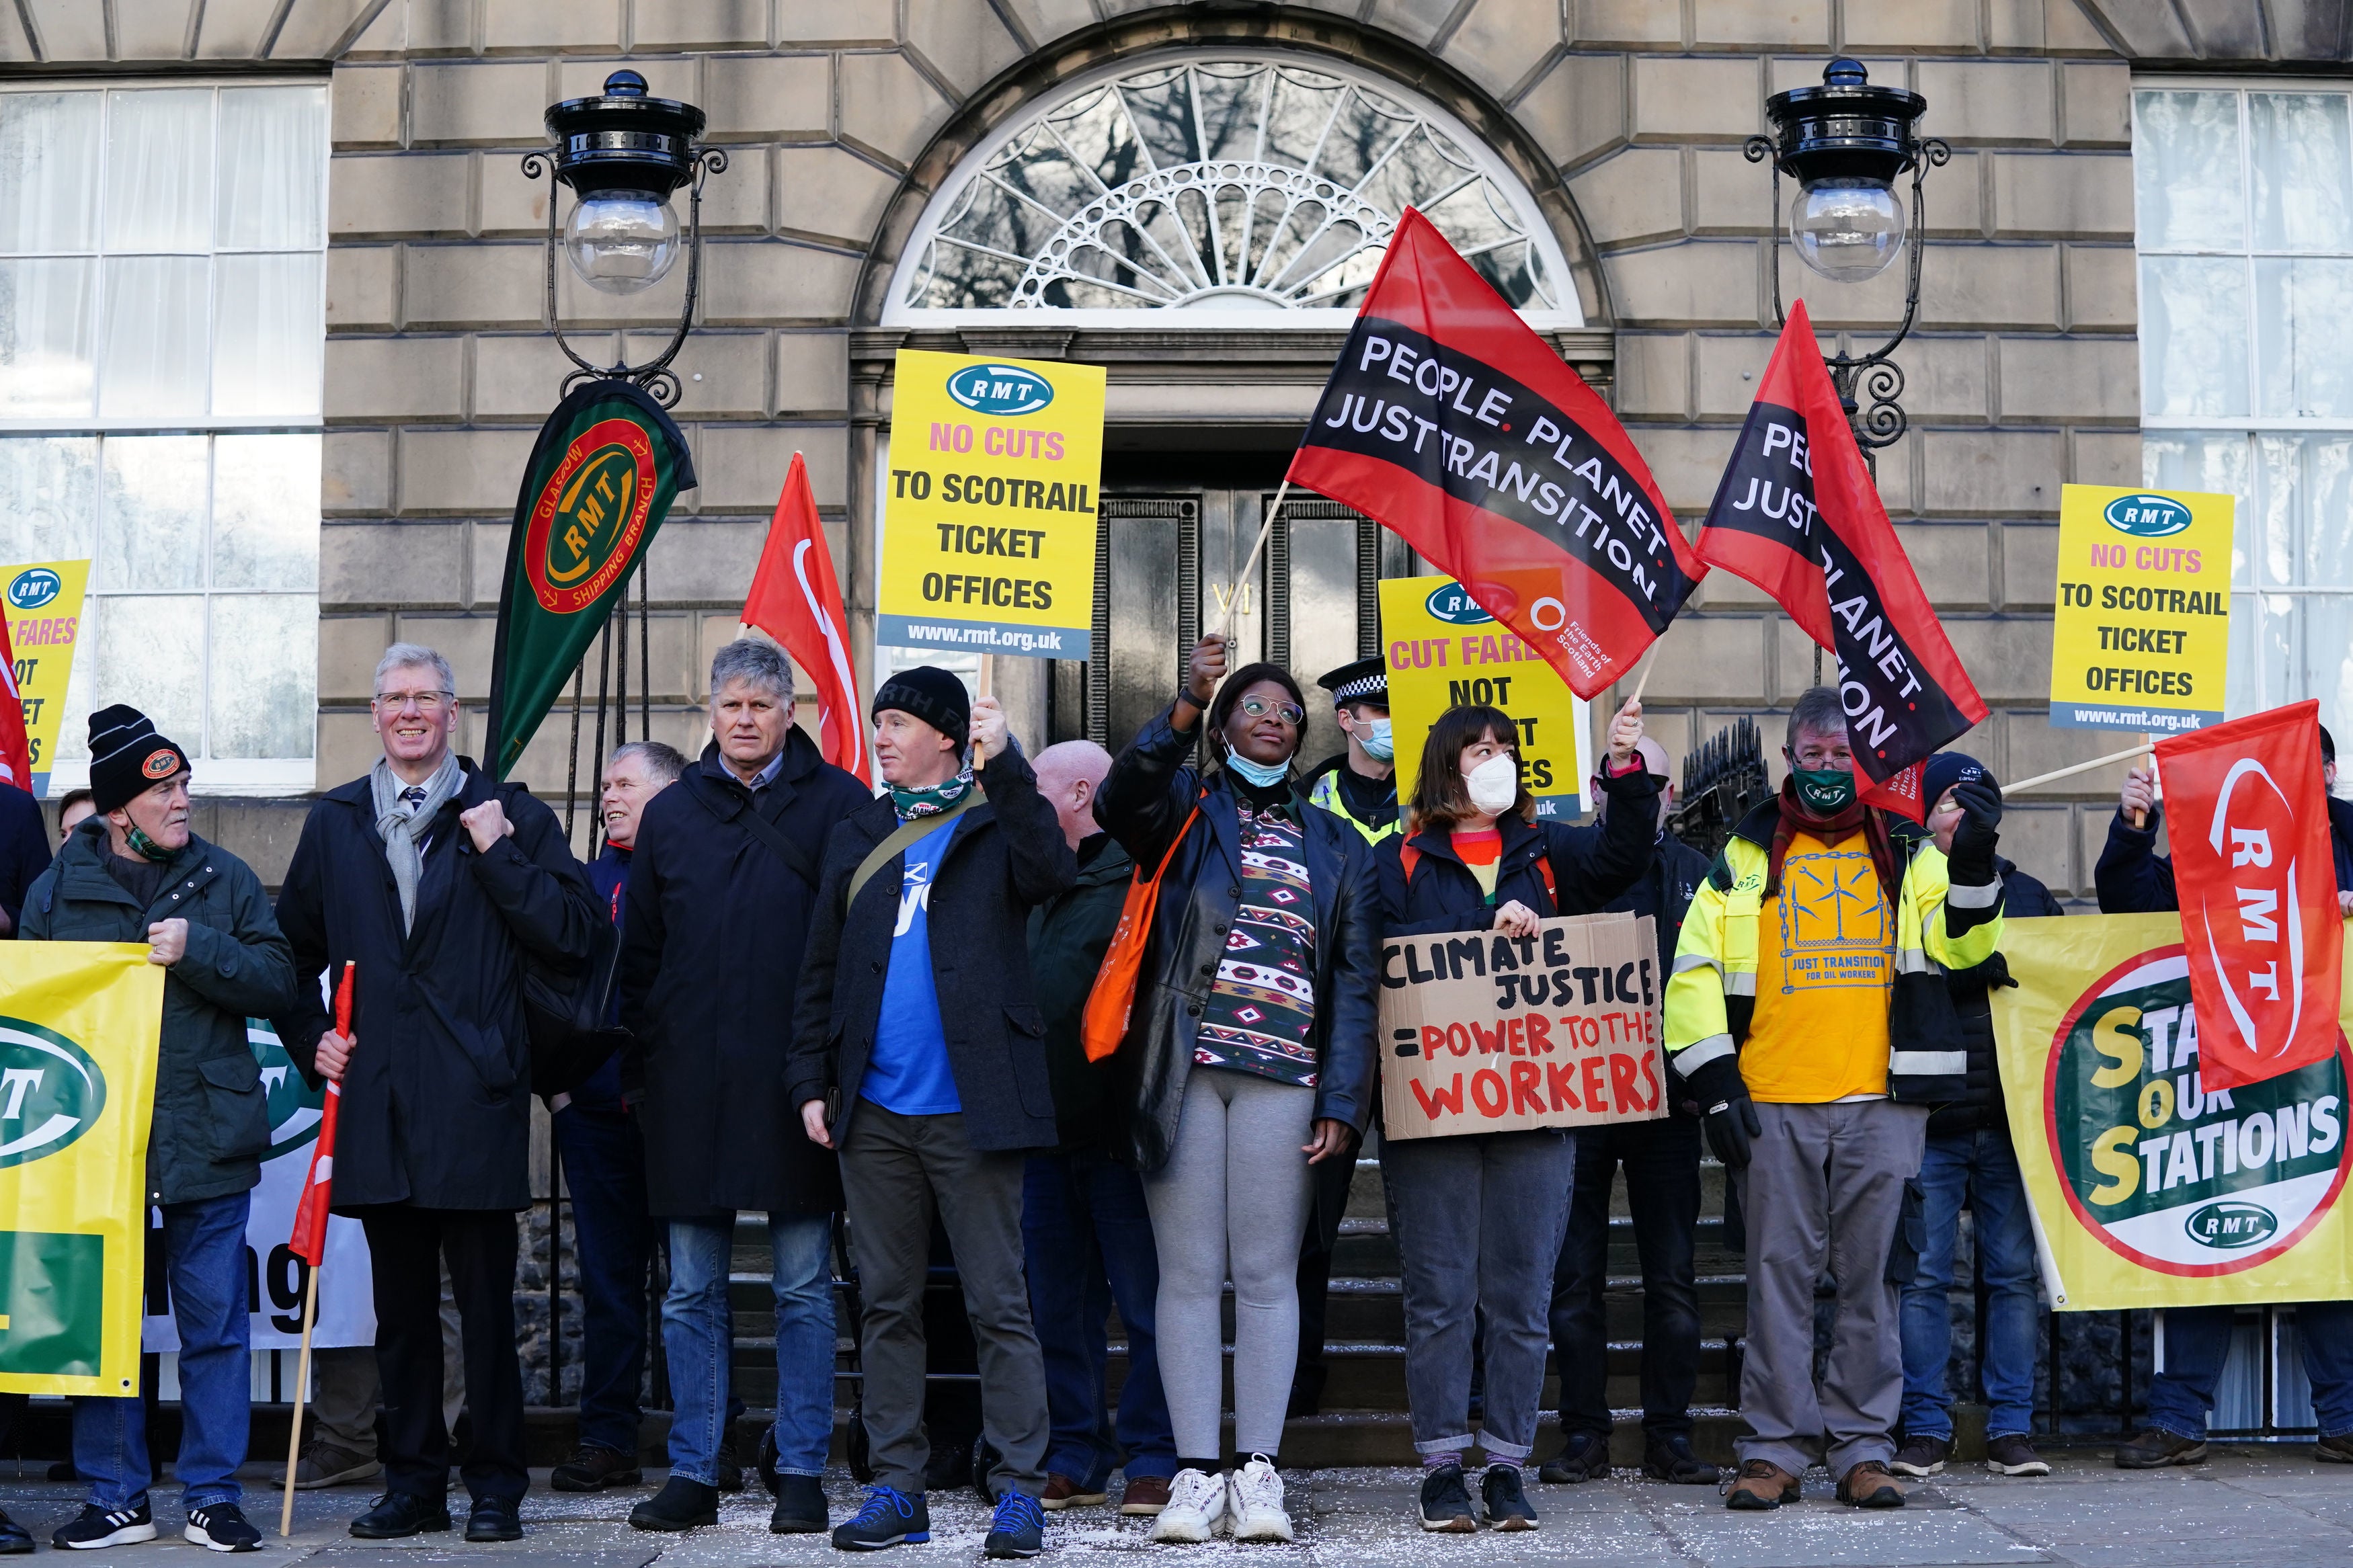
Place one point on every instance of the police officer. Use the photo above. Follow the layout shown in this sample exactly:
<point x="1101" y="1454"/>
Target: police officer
<point x="1359" y="785"/>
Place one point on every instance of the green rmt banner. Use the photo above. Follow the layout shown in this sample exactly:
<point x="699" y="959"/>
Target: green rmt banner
<point x="607" y="466"/>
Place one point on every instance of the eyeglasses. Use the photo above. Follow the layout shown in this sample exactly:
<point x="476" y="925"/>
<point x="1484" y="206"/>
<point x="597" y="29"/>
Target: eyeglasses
<point x="427" y="702"/>
<point x="1288" y="713"/>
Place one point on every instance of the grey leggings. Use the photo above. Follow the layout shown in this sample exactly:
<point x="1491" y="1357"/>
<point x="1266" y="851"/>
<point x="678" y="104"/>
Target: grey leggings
<point x="1232" y="1200"/>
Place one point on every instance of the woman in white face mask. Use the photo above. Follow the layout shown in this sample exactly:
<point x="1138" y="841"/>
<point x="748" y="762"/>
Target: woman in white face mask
<point x="1479" y="1215"/>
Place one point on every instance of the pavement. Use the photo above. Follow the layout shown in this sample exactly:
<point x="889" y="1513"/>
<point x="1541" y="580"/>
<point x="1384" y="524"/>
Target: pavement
<point x="2273" y="1507"/>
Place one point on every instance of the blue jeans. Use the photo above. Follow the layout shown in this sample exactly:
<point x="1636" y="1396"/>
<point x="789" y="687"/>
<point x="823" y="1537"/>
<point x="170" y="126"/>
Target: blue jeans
<point x="204" y="1260"/>
<point x="2198" y="1341"/>
<point x="1088" y="1242"/>
<point x="1982" y="1166"/>
<point x="605" y="1169"/>
<point x="698" y="1336"/>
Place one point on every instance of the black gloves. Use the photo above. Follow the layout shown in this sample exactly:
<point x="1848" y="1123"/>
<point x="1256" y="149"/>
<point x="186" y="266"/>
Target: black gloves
<point x="1725" y="1106"/>
<point x="1974" y="839"/>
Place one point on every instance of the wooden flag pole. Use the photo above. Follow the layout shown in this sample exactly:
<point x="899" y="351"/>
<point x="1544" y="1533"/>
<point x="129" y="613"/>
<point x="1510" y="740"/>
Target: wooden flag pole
<point x="301" y="1389"/>
<point x="2144" y="749"/>
<point x="1650" y="663"/>
<point x="1234" y="594"/>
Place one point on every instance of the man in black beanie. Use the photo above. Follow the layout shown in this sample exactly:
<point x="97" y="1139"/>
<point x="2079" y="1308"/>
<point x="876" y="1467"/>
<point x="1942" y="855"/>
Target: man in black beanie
<point x="131" y="871"/>
<point x="919" y="1052"/>
<point x="1968" y="1156"/>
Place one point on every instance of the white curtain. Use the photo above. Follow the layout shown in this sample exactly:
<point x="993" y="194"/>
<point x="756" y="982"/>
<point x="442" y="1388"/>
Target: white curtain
<point x="155" y="324"/>
<point x="268" y="334"/>
<point x="48" y="311"/>
<point x="159" y="171"/>
<point x="273" y="169"/>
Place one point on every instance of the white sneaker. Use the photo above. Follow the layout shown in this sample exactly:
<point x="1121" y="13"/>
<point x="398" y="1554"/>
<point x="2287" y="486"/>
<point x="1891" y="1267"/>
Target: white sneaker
<point x="1195" y="1510"/>
<point x="1257" y="1502"/>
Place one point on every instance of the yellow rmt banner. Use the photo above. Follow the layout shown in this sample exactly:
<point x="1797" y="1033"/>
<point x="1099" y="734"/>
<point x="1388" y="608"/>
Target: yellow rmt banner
<point x="80" y="1023"/>
<point x="2147" y="1188"/>
<point x="2141" y="636"/>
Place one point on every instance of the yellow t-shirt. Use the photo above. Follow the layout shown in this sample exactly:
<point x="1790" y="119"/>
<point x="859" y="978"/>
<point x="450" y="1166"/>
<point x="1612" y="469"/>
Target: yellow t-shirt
<point x="1825" y="961"/>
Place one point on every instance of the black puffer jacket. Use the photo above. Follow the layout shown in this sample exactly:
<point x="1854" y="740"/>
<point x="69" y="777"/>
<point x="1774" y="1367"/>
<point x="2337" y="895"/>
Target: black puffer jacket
<point x="1143" y="803"/>
<point x="1972" y="990"/>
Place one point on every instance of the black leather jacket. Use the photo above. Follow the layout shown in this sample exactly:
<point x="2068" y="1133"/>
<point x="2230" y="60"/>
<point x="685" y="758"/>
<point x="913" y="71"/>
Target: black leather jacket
<point x="1143" y="803"/>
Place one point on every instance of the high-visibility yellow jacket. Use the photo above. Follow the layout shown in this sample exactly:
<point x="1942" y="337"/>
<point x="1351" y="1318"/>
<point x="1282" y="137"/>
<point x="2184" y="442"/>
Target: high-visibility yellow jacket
<point x="1712" y="995"/>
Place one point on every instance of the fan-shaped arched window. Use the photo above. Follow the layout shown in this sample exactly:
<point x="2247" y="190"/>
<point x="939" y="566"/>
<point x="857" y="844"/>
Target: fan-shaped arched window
<point x="1217" y="183"/>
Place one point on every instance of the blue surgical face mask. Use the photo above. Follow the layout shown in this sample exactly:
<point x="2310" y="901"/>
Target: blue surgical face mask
<point x="1376" y="741"/>
<point x="1265" y="776"/>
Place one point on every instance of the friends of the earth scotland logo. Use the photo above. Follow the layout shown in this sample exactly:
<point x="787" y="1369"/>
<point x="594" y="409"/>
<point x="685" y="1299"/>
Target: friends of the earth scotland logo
<point x="585" y="524"/>
<point x="2174" y="1176"/>
<point x="50" y="1092"/>
<point x="1006" y="390"/>
<point x="34" y="587"/>
<point x="2146" y="516"/>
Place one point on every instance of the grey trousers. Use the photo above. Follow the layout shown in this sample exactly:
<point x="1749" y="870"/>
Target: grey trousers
<point x="1823" y="1191"/>
<point x="1480" y="1218"/>
<point x="896" y="1173"/>
<point x="1231" y="1204"/>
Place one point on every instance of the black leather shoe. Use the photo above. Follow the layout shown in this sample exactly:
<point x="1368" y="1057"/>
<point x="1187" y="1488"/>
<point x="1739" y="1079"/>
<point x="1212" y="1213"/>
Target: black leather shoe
<point x="800" y="1507"/>
<point x="1671" y="1459"/>
<point x="494" y="1519"/>
<point x="397" y="1514"/>
<point x="727" y="1467"/>
<point x="680" y="1505"/>
<point x="14" y="1538"/>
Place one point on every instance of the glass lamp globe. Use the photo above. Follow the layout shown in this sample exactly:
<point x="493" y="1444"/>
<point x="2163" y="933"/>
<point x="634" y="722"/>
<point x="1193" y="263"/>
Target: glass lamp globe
<point x="1847" y="230"/>
<point x="621" y="241"/>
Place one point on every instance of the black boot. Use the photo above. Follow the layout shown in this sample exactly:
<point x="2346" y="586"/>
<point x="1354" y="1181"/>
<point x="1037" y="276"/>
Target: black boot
<point x="800" y="1507"/>
<point x="1670" y="1458"/>
<point x="680" y="1505"/>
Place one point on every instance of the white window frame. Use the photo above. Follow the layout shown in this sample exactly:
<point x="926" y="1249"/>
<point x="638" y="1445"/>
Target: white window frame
<point x="2248" y="583"/>
<point x="268" y="776"/>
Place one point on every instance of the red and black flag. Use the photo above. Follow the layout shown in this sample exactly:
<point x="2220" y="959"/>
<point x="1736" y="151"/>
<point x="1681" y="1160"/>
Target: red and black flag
<point x="1798" y="515"/>
<point x="1451" y="422"/>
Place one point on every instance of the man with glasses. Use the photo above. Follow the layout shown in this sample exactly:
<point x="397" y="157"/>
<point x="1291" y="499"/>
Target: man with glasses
<point x="441" y="885"/>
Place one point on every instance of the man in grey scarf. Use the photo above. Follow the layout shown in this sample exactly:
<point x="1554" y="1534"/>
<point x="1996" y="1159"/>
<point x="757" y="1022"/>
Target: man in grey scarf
<point x="440" y="884"/>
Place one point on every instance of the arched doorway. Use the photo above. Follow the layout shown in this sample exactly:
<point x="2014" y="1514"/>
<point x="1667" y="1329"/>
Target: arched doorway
<point x="1204" y="221"/>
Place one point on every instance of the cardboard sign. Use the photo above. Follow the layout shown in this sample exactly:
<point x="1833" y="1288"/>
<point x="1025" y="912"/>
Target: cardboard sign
<point x="1442" y="649"/>
<point x="989" y="510"/>
<point x="43" y="606"/>
<point x="1486" y="1033"/>
<point x="2141" y="637"/>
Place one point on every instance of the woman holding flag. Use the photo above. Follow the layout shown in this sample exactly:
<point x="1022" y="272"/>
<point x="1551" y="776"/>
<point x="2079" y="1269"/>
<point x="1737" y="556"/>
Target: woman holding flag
<point x="1249" y="1057"/>
<point x="1479" y="1215"/>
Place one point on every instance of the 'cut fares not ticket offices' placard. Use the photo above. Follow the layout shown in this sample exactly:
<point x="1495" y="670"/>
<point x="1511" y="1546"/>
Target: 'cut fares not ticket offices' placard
<point x="988" y="505"/>
<point x="2141" y="636"/>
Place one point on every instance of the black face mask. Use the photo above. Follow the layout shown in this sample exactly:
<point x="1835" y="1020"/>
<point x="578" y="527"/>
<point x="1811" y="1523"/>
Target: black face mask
<point x="1825" y="792"/>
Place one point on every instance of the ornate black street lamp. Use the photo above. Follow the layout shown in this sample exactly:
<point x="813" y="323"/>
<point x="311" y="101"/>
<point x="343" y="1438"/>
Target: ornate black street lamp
<point x="1846" y="142"/>
<point x="623" y="153"/>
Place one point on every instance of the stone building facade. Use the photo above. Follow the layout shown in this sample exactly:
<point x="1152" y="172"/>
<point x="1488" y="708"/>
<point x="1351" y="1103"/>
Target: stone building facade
<point x="1607" y="135"/>
<point x="1621" y="122"/>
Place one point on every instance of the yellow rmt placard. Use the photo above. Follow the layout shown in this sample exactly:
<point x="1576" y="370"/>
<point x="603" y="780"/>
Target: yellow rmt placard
<point x="80" y="1026"/>
<point x="42" y="602"/>
<point x="988" y="509"/>
<point x="1442" y="649"/>
<point x="2141" y="638"/>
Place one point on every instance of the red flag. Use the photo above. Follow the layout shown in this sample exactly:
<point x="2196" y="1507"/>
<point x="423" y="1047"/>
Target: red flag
<point x="796" y="599"/>
<point x="1454" y="425"/>
<point x="1798" y="515"/>
<point x="309" y="1241"/>
<point x="2257" y="875"/>
<point x="16" y="749"/>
